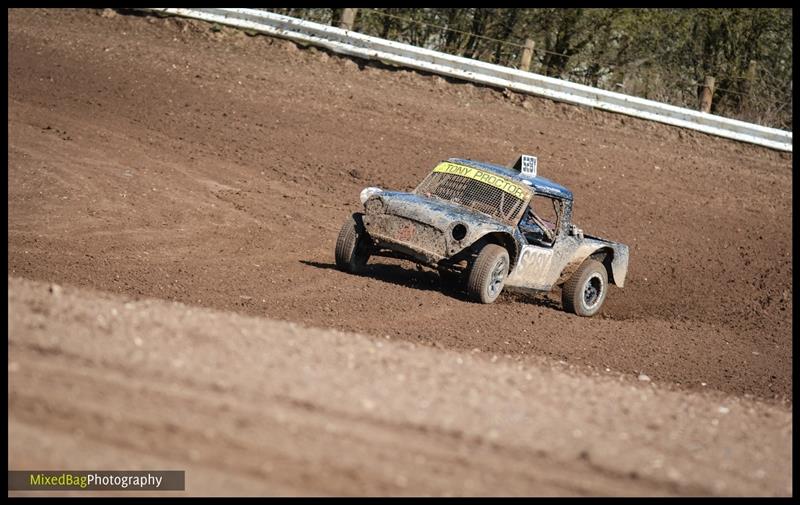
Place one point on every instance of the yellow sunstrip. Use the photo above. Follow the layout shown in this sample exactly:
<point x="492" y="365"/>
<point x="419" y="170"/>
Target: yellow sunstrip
<point x="512" y="188"/>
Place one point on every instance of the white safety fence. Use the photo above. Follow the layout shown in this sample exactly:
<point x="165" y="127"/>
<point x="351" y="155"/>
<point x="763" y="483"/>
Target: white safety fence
<point x="367" y="47"/>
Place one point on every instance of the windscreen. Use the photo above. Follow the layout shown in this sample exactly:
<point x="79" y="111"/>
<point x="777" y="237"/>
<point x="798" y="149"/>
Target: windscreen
<point x="477" y="189"/>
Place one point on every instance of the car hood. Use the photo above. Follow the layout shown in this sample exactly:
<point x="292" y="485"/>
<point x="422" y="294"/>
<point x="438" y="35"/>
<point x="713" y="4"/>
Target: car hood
<point x="437" y="212"/>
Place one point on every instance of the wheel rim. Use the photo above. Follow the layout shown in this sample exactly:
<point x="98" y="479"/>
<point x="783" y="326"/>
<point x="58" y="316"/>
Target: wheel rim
<point x="592" y="291"/>
<point x="498" y="276"/>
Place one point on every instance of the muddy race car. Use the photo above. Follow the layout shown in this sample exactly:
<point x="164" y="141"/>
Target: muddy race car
<point x="489" y="228"/>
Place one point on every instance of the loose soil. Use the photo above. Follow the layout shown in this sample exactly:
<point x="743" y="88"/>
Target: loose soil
<point x="248" y="406"/>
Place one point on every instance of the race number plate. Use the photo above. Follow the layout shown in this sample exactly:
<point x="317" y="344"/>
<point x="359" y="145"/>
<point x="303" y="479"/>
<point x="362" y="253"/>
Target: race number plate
<point x="529" y="165"/>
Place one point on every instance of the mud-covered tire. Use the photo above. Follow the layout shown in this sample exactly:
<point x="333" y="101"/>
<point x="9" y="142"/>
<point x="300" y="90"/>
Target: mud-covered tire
<point x="488" y="274"/>
<point x="352" y="246"/>
<point x="585" y="292"/>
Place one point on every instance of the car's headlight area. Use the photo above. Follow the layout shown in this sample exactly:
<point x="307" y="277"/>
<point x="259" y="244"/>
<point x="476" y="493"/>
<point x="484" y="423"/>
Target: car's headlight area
<point x="459" y="231"/>
<point x="374" y="205"/>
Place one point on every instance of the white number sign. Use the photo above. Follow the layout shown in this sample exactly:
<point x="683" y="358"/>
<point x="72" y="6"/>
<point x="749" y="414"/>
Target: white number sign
<point x="529" y="165"/>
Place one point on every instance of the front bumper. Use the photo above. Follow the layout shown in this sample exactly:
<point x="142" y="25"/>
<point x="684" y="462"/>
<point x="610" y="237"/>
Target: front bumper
<point x="421" y="241"/>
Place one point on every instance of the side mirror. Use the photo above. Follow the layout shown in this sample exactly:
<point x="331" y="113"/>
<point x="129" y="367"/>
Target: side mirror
<point x="575" y="231"/>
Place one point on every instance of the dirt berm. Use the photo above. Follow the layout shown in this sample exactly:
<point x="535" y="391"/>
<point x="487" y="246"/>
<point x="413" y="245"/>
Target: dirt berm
<point x="251" y="406"/>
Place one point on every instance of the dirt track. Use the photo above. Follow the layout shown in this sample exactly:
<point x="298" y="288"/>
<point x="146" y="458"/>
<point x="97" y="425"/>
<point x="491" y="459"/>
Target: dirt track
<point x="253" y="407"/>
<point x="156" y="158"/>
<point x="148" y="157"/>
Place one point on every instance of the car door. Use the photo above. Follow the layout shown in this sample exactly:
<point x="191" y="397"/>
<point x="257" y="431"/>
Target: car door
<point x="542" y="257"/>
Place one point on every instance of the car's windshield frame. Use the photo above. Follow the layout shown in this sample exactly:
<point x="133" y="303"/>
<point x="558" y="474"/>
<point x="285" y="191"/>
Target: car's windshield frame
<point x="512" y="219"/>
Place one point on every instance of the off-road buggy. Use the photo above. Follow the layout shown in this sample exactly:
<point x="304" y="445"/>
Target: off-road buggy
<point x="491" y="227"/>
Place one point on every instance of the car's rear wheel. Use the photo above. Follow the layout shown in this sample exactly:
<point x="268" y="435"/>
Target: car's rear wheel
<point x="488" y="274"/>
<point x="585" y="292"/>
<point x="352" y="245"/>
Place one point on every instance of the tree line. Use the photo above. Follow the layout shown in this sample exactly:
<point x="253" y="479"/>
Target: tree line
<point x="659" y="54"/>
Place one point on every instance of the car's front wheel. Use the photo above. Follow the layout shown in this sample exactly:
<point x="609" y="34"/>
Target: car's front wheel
<point x="352" y="245"/>
<point x="585" y="292"/>
<point x="488" y="274"/>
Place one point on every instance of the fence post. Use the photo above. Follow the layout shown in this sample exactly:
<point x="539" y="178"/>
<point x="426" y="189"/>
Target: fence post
<point x="706" y="94"/>
<point x="751" y="71"/>
<point x="348" y="19"/>
<point x="750" y="78"/>
<point x="527" y="54"/>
